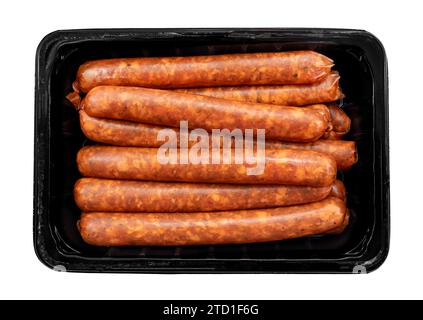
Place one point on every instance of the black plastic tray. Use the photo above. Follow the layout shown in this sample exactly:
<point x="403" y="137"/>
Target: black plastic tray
<point x="361" y="61"/>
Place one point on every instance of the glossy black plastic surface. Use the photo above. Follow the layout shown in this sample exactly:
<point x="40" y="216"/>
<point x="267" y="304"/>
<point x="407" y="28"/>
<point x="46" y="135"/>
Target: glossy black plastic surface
<point x="361" y="61"/>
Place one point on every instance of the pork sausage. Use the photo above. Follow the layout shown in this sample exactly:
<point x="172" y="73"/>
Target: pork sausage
<point x="168" y="108"/>
<point x="344" y="152"/>
<point x="340" y="121"/>
<point x="203" y="71"/>
<point x="139" y="196"/>
<point x="290" y="167"/>
<point x="324" y="111"/>
<point x="326" y="90"/>
<point x="343" y="226"/>
<point x="206" y="228"/>
<point x="132" y="134"/>
<point x="338" y="190"/>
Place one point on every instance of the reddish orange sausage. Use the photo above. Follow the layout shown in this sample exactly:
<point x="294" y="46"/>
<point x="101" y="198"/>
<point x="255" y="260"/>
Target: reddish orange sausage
<point x="290" y="167"/>
<point x="201" y="228"/>
<point x="324" y="111"/>
<point x="340" y="122"/>
<point x="203" y="71"/>
<point x="126" y="133"/>
<point x="344" y="152"/>
<point x="326" y="90"/>
<point x="136" y="196"/>
<point x="168" y="108"/>
<point x="343" y="226"/>
<point x="338" y="190"/>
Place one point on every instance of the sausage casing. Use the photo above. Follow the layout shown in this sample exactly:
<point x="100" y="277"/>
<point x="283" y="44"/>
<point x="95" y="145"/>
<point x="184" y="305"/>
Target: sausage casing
<point x="338" y="190"/>
<point x="340" y="122"/>
<point x="203" y="71"/>
<point x="139" y="196"/>
<point x="290" y="167"/>
<point x="343" y="226"/>
<point x="168" y="108"/>
<point x="201" y="228"/>
<point x="326" y="90"/>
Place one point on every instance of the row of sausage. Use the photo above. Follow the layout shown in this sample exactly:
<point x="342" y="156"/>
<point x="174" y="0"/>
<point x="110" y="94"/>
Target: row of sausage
<point x="128" y="197"/>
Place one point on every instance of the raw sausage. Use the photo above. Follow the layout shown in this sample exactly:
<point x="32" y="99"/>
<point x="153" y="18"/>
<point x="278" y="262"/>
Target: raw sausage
<point x="326" y="90"/>
<point x="340" y="122"/>
<point x="168" y="108"/>
<point x="138" y="196"/>
<point x="343" y="226"/>
<point x="125" y="133"/>
<point x="338" y="190"/>
<point x="203" y="71"/>
<point x="201" y="228"/>
<point x="344" y="152"/>
<point x="290" y="167"/>
<point x="324" y="111"/>
<point x="132" y="134"/>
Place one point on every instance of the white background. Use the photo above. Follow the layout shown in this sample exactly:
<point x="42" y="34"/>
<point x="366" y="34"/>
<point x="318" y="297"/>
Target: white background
<point x="398" y="24"/>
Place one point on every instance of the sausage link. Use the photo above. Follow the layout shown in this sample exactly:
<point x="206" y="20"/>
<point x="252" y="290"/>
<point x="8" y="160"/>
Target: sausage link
<point x="126" y="133"/>
<point x="343" y="226"/>
<point x="203" y="71"/>
<point x="338" y="190"/>
<point x="326" y="90"/>
<point x="290" y="167"/>
<point x="324" y="111"/>
<point x="202" y="228"/>
<point x="168" y="108"/>
<point x="344" y="152"/>
<point x="340" y="121"/>
<point x="136" y="196"/>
